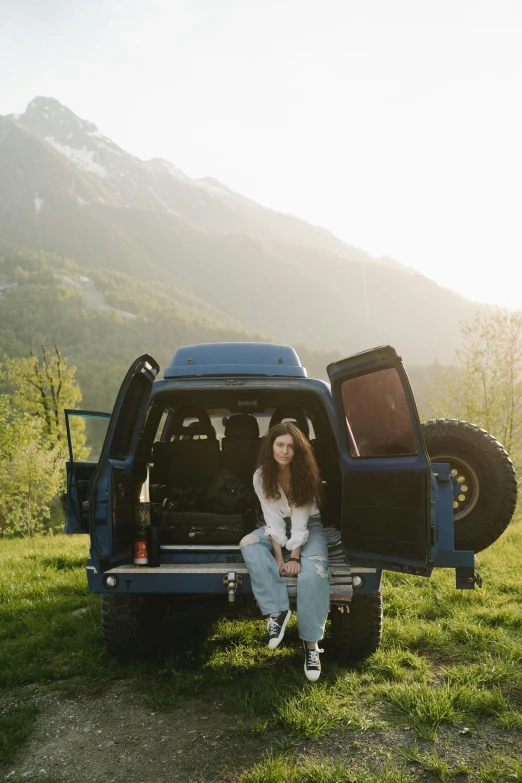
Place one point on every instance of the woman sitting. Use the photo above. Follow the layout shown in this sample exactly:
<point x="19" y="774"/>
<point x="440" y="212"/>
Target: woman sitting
<point x="292" y="542"/>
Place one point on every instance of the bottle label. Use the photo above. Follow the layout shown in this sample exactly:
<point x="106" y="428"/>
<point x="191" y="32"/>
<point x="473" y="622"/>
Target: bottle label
<point x="143" y="514"/>
<point x="140" y="553"/>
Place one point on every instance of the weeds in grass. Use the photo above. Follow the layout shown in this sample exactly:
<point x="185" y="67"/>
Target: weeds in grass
<point x="308" y="710"/>
<point x="391" y="774"/>
<point x="418" y="636"/>
<point x="425" y="705"/>
<point x="272" y="769"/>
<point x="489" y="671"/>
<point x="261" y="695"/>
<point x="437" y="766"/>
<point x="312" y="711"/>
<point x="492" y="703"/>
<point x="15" y="727"/>
<point x="395" y="665"/>
<point x="510" y="720"/>
<point x="165" y="690"/>
<point x="259" y="728"/>
<point x="285" y="769"/>
<point x="499" y="768"/>
<point x="428" y="706"/>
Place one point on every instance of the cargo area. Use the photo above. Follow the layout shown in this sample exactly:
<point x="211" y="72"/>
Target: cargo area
<point x="198" y="443"/>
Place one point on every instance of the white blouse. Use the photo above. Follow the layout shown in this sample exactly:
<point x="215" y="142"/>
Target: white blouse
<point x="275" y="511"/>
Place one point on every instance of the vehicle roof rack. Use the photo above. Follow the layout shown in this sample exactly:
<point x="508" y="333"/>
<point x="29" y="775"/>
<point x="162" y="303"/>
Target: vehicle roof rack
<point x="235" y="359"/>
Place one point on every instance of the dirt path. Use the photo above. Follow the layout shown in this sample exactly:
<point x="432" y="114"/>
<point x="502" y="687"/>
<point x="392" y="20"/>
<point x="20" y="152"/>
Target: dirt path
<point x="112" y="737"/>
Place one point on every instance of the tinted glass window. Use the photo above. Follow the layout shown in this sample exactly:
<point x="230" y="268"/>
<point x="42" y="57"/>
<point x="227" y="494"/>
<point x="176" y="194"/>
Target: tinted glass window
<point x="87" y="433"/>
<point x="377" y="415"/>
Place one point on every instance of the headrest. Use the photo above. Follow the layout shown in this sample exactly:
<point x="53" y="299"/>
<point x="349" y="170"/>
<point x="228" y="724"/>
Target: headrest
<point x="296" y="416"/>
<point x="193" y="429"/>
<point x="241" y="426"/>
<point x="201" y="427"/>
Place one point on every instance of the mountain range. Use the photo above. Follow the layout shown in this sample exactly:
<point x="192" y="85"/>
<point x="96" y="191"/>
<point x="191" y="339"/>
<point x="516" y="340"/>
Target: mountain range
<point x="67" y="189"/>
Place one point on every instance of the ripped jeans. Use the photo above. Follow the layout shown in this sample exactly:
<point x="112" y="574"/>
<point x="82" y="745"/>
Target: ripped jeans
<point x="313" y="580"/>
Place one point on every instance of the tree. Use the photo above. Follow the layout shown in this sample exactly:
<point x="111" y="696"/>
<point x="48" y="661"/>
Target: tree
<point x="44" y="385"/>
<point x="33" y="443"/>
<point x="30" y="473"/>
<point x="485" y="387"/>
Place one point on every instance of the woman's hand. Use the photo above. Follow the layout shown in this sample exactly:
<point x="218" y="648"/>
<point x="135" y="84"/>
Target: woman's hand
<point x="292" y="568"/>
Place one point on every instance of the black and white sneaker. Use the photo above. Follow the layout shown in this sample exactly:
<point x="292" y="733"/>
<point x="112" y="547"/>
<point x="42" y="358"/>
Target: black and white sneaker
<point x="276" y="628"/>
<point x="312" y="665"/>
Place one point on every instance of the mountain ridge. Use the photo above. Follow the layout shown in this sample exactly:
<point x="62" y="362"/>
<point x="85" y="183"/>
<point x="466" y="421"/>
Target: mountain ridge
<point x="68" y="189"/>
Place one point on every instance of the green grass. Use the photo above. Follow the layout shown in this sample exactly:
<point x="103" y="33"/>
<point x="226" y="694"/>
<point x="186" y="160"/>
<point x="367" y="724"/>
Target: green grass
<point x="439" y="767"/>
<point x="15" y="727"/>
<point x="285" y="769"/>
<point x="450" y="662"/>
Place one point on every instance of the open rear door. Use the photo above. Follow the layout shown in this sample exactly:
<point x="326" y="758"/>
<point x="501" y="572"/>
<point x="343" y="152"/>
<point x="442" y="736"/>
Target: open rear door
<point x="85" y="435"/>
<point x="116" y="483"/>
<point x="385" y="467"/>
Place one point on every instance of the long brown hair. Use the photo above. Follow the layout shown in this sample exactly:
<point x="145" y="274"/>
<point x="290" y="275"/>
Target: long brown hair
<point x="305" y="479"/>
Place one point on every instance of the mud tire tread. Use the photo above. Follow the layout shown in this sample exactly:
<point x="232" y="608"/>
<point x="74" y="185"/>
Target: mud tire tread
<point x="129" y="624"/>
<point x="358" y="633"/>
<point x="497" y="500"/>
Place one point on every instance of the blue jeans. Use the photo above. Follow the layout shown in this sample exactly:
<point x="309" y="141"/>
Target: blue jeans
<point x="313" y="580"/>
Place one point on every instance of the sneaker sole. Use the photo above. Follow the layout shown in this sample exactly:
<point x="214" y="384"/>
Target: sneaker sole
<point x="273" y="643"/>
<point x="312" y="676"/>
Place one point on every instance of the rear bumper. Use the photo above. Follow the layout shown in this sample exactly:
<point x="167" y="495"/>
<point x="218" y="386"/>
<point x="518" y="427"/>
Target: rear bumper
<point x="209" y="579"/>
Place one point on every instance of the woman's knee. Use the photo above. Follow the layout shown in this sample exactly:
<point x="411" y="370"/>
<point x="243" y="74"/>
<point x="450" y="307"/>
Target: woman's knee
<point x="249" y="539"/>
<point x="314" y="566"/>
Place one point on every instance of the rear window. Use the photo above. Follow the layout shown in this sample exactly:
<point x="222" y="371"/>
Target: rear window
<point x="378" y="418"/>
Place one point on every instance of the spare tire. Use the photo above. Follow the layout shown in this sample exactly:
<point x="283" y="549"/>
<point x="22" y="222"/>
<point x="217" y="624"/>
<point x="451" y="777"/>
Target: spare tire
<point x="481" y="465"/>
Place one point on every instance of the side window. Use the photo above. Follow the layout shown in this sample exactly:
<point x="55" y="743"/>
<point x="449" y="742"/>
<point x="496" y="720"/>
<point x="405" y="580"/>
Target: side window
<point x="161" y="425"/>
<point x="218" y="418"/>
<point x="86" y="432"/>
<point x="377" y="415"/>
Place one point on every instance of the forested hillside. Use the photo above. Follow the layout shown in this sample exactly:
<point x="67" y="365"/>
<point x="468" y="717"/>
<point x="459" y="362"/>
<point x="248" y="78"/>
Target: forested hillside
<point x="101" y="320"/>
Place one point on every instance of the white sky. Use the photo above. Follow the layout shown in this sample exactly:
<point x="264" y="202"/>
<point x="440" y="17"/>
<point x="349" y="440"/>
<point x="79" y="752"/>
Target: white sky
<point x="397" y="124"/>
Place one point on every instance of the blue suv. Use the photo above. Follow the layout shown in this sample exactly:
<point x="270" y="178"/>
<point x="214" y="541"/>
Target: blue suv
<point x="399" y="495"/>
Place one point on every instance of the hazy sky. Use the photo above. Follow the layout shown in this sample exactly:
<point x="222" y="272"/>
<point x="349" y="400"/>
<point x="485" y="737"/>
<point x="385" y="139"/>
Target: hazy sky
<point x="397" y="124"/>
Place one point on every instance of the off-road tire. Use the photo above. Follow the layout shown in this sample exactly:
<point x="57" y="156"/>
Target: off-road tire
<point x="485" y="470"/>
<point x="358" y="633"/>
<point x="130" y="623"/>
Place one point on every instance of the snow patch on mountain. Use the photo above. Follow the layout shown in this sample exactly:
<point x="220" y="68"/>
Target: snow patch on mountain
<point x="83" y="157"/>
<point x="160" y="166"/>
